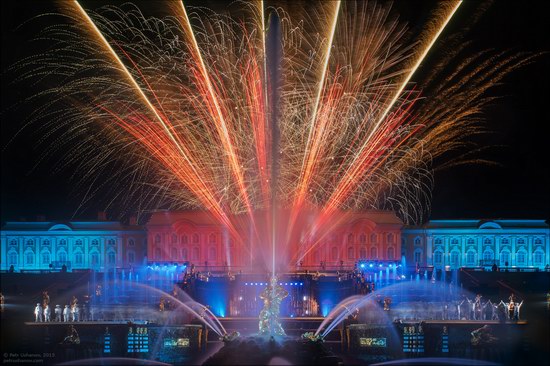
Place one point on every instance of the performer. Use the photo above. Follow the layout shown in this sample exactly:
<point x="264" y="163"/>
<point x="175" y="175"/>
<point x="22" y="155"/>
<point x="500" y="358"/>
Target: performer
<point x="1" y="303"/>
<point x="38" y="313"/>
<point x="47" y="313"/>
<point x="66" y="313"/>
<point x="477" y="307"/>
<point x="511" y="309"/>
<point x="45" y="298"/>
<point x="272" y="295"/>
<point x="58" y="311"/>
<point x="516" y="310"/>
<point x="72" y="336"/>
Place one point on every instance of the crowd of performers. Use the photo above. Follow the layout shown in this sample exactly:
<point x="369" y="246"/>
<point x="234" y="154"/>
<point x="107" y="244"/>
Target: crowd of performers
<point x="72" y="312"/>
<point x="477" y="309"/>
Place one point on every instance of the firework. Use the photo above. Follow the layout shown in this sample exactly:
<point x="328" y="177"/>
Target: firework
<point x="187" y="108"/>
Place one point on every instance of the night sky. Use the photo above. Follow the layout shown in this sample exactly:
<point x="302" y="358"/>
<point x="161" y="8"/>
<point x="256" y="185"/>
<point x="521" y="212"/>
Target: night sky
<point x="518" y="187"/>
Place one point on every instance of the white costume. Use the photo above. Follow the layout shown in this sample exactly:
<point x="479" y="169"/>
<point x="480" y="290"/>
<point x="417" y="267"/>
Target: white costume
<point x="58" y="312"/>
<point x="66" y="313"/>
<point x="47" y="313"/>
<point x="38" y="313"/>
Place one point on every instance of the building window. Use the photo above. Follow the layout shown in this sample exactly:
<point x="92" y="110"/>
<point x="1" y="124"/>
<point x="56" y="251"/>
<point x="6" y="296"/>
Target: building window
<point x="78" y="242"/>
<point x="46" y="243"/>
<point x="470" y="258"/>
<point x="79" y="258"/>
<point x="537" y="258"/>
<point x="521" y="241"/>
<point x="504" y="258"/>
<point x="363" y="253"/>
<point x="131" y="243"/>
<point x="184" y="239"/>
<point x="454" y="259"/>
<point x="195" y="254"/>
<point x="212" y="254"/>
<point x="334" y="253"/>
<point x="45" y="258"/>
<point x="350" y="253"/>
<point x="437" y="257"/>
<point x="362" y="239"/>
<point x="94" y="259"/>
<point x="184" y="254"/>
<point x="505" y="241"/>
<point x="316" y="256"/>
<point x="95" y="242"/>
<point x="417" y="256"/>
<point x="30" y="243"/>
<point x="454" y="241"/>
<point x="131" y="257"/>
<point x="29" y="258"/>
<point x="520" y="258"/>
<point x="212" y="238"/>
<point x="157" y="254"/>
<point x="390" y="238"/>
<point x="417" y="242"/>
<point x="487" y="241"/>
<point x="174" y="254"/>
<point x="174" y="239"/>
<point x="373" y="253"/>
<point x="111" y="258"/>
<point x="111" y="242"/>
<point x="487" y="256"/>
<point x="438" y="241"/>
<point x="470" y="241"/>
<point x="63" y="242"/>
<point x="373" y="238"/>
<point x="62" y="256"/>
<point x="538" y="241"/>
<point x="157" y="239"/>
<point x="195" y="238"/>
<point x="12" y="259"/>
<point x="350" y="239"/>
<point x="391" y="252"/>
<point x="13" y="243"/>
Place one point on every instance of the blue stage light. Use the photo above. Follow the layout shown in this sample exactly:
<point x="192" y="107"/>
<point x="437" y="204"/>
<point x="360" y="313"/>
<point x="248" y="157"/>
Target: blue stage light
<point x="362" y="265"/>
<point x="370" y="265"/>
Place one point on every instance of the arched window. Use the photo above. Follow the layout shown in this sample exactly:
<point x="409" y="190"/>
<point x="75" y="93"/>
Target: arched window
<point x="212" y="255"/>
<point x="417" y="241"/>
<point x="504" y="258"/>
<point x="94" y="259"/>
<point x="46" y="258"/>
<point x="174" y="239"/>
<point x="438" y="241"/>
<point x="521" y="258"/>
<point x="362" y="239"/>
<point x="334" y="253"/>
<point x="455" y="259"/>
<point x="195" y="238"/>
<point x="438" y="257"/>
<point x="131" y="243"/>
<point x="487" y="255"/>
<point x="454" y="241"/>
<point x="111" y="258"/>
<point x="184" y="254"/>
<point x="78" y="258"/>
<point x="373" y="253"/>
<point x="418" y="256"/>
<point x="350" y="239"/>
<point x="62" y="256"/>
<point x="78" y="242"/>
<point x="30" y="243"/>
<point x="470" y="257"/>
<point x="470" y="241"/>
<point x="487" y="241"/>
<point x="391" y="253"/>
<point x="538" y="258"/>
<point x="363" y="253"/>
<point x="212" y="238"/>
<point x="184" y="239"/>
<point x="390" y="238"/>
<point x="12" y="258"/>
<point x="373" y="238"/>
<point x="174" y="254"/>
<point x="505" y="241"/>
<point x="95" y="242"/>
<point x="157" y="254"/>
<point x="29" y="258"/>
<point x="131" y="257"/>
<point x="195" y="254"/>
<point x="350" y="253"/>
<point x="157" y="239"/>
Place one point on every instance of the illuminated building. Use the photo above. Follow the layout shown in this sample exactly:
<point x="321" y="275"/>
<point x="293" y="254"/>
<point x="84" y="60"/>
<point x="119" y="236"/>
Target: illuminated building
<point x="478" y="243"/>
<point x="79" y="245"/>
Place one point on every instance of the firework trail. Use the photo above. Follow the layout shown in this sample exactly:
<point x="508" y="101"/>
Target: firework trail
<point x="181" y="111"/>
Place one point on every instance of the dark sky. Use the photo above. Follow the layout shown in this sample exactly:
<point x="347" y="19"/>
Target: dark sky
<point x="517" y="188"/>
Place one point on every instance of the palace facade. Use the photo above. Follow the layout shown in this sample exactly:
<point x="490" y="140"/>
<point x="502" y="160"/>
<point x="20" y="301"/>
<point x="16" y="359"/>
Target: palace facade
<point x="194" y="237"/>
